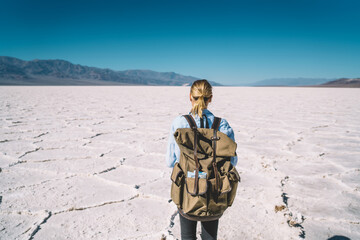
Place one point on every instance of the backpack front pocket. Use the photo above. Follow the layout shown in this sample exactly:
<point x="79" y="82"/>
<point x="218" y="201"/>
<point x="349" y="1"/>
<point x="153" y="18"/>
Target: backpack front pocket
<point x="225" y="185"/>
<point x="195" y="200"/>
<point x="217" y="202"/>
<point x="194" y="190"/>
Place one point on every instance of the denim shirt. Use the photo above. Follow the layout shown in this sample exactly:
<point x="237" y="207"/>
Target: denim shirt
<point x="173" y="150"/>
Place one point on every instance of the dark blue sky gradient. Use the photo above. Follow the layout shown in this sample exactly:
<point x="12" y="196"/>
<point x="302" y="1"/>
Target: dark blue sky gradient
<point x="231" y="42"/>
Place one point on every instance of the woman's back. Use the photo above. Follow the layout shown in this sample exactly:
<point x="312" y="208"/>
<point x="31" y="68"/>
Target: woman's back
<point x="173" y="151"/>
<point x="210" y="180"/>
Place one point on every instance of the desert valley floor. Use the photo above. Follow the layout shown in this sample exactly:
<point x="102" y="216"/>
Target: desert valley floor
<point x="89" y="162"/>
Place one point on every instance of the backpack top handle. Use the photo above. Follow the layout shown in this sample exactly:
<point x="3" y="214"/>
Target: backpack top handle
<point x="202" y="122"/>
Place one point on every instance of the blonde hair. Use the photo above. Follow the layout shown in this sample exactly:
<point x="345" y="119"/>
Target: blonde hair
<point x="201" y="92"/>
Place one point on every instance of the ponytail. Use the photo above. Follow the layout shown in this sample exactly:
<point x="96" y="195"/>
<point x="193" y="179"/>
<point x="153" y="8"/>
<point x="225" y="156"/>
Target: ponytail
<point x="201" y="92"/>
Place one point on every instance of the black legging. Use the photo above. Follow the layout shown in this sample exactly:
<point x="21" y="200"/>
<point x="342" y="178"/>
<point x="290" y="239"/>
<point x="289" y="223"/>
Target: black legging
<point x="188" y="229"/>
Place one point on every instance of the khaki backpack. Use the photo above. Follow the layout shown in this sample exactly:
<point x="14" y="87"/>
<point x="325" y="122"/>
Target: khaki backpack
<point x="204" y="182"/>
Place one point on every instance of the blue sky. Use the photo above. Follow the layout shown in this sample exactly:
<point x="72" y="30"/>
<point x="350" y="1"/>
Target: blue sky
<point x="231" y="42"/>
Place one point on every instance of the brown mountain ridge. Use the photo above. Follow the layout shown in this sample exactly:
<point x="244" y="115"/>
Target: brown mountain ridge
<point x="14" y="71"/>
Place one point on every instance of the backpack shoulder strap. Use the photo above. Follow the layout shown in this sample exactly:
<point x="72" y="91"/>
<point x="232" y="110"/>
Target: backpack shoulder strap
<point x="215" y="127"/>
<point x="191" y="121"/>
<point x="216" y="123"/>
<point x="192" y="124"/>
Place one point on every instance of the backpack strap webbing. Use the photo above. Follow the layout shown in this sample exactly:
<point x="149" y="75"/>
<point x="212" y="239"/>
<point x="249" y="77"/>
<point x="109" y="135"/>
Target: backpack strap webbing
<point x="215" y="127"/>
<point x="192" y="124"/>
<point x="216" y="123"/>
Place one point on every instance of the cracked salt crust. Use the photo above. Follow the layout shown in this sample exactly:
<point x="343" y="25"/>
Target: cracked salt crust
<point x="89" y="162"/>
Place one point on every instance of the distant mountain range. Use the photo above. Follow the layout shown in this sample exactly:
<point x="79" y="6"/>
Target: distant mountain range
<point x="291" y="82"/>
<point x="343" y="82"/>
<point x="308" y="82"/>
<point x="14" y="71"/>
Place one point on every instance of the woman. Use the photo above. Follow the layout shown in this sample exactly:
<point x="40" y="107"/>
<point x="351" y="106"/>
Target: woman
<point x="200" y="97"/>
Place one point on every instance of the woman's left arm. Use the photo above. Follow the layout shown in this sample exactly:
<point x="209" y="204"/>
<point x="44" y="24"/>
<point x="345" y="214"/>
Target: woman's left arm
<point x="173" y="151"/>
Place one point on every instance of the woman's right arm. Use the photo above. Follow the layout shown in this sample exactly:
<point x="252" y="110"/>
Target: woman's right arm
<point x="225" y="128"/>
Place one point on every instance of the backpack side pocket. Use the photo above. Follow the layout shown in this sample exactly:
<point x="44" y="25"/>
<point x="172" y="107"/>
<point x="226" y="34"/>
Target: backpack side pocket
<point x="234" y="179"/>
<point x="177" y="186"/>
